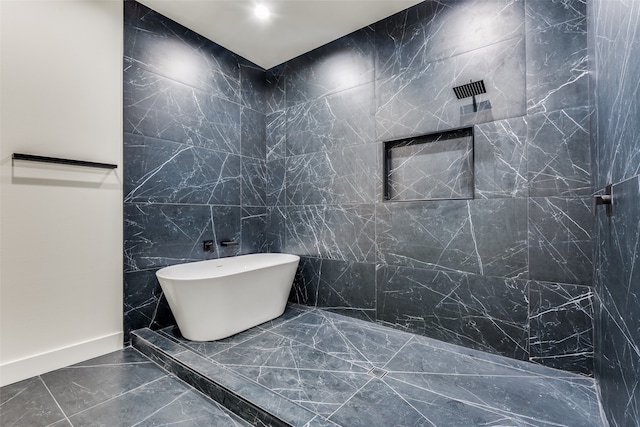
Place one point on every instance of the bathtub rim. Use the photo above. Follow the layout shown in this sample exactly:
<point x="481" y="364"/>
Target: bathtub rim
<point x="206" y="270"/>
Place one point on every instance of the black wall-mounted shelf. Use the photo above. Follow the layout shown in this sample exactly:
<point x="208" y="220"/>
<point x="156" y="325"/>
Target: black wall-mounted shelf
<point x="60" y="161"/>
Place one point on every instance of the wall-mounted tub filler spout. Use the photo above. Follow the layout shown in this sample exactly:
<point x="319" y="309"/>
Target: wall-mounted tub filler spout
<point x="229" y="243"/>
<point x="470" y="89"/>
<point x="605" y="199"/>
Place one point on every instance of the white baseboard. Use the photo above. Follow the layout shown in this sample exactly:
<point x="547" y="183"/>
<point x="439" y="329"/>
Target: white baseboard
<point x="21" y="369"/>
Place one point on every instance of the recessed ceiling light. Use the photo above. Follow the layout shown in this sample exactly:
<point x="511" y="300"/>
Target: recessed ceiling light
<point x="262" y="12"/>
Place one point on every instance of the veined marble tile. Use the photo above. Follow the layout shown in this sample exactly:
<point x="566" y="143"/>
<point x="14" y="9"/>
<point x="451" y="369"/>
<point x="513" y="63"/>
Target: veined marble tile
<point x="618" y="287"/>
<point x="338" y="286"/>
<point x="312" y="358"/>
<point x="617" y="56"/>
<point x="275" y="91"/>
<point x="276" y="126"/>
<point x="222" y="385"/>
<point x="254" y="182"/>
<point x="557" y="61"/>
<point x="273" y="350"/>
<point x="320" y="391"/>
<point x="161" y="108"/>
<point x="170" y="347"/>
<point x="500" y="163"/>
<point x="447" y="359"/>
<point x="29" y="403"/>
<point x="541" y="14"/>
<point x="343" y="119"/>
<point x="193" y="409"/>
<point x="144" y="303"/>
<point x="560" y="247"/>
<point x="422" y="101"/>
<point x="483" y="313"/>
<point x="161" y="235"/>
<point x="558" y="153"/>
<point x="275" y="182"/>
<point x="98" y="380"/>
<point x="208" y="348"/>
<point x="253" y="134"/>
<point x="168" y="172"/>
<point x="621" y="261"/>
<point x="330" y="231"/>
<point x="363" y="343"/>
<point x="156" y="43"/>
<point x="431" y="31"/>
<point x="306" y="283"/>
<point x="320" y="421"/>
<point x="389" y="402"/>
<point x="254" y="226"/>
<point x="342" y="64"/>
<point x="311" y="378"/>
<point x="134" y="406"/>
<point x="617" y="358"/>
<point x="253" y="85"/>
<point x="486" y="237"/>
<point x="339" y="176"/>
<point x="561" y="326"/>
<point x="615" y="59"/>
<point x="275" y="232"/>
<point x="526" y="401"/>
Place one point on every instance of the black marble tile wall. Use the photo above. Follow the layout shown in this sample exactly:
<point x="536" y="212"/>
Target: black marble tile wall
<point x="557" y="77"/>
<point x="459" y="270"/>
<point x="291" y="160"/>
<point x="500" y="164"/>
<point x="194" y="156"/>
<point x="486" y="237"/>
<point x="561" y="325"/>
<point x="476" y="311"/>
<point x="615" y="137"/>
<point x="344" y="287"/>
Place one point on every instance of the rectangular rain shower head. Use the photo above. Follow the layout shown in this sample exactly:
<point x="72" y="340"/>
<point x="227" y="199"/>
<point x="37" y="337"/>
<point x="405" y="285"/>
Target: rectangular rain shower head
<point x="470" y="89"/>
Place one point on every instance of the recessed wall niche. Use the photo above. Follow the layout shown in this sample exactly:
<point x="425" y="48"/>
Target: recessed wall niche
<point x="430" y="167"/>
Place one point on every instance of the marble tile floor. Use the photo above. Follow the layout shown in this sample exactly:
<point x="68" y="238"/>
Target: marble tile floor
<point x="123" y="388"/>
<point x="316" y="368"/>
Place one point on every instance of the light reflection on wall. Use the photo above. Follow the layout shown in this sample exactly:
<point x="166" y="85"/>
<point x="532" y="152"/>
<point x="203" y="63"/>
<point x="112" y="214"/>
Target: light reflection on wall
<point x="181" y="63"/>
<point x="343" y="70"/>
<point x="470" y="24"/>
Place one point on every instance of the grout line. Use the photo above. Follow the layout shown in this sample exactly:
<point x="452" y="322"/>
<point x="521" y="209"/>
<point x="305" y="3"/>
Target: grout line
<point x="55" y="400"/>
<point x="350" y="397"/>
<point x="161" y="408"/>
<point x="407" y="402"/>
<point x="395" y="354"/>
<point x="122" y="394"/>
<point x="190" y="387"/>
<point x="502" y="412"/>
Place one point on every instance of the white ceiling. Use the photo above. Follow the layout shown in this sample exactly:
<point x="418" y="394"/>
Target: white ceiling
<point x="295" y="27"/>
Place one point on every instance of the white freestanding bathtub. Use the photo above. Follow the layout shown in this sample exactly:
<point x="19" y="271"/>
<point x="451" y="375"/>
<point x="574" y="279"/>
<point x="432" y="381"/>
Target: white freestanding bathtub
<point x="217" y="298"/>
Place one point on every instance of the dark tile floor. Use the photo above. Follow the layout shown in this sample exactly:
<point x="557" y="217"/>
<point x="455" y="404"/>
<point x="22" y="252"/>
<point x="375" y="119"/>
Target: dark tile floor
<point x="307" y="368"/>
<point x="124" y="388"/>
<point x="354" y="373"/>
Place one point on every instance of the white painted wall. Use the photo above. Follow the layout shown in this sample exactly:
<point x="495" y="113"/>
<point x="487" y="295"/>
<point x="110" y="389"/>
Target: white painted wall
<point x="60" y="226"/>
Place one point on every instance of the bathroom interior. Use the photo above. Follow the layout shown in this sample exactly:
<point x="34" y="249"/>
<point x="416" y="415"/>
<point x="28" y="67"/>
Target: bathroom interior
<point x="460" y="262"/>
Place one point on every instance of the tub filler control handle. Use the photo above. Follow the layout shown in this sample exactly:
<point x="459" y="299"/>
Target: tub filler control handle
<point x="603" y="199"/>
<point x="207" y="245"/>
<point x="229" y="243"/>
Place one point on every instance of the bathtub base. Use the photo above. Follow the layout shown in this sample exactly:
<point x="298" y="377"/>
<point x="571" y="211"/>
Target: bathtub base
<point x="216" y="299"/>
